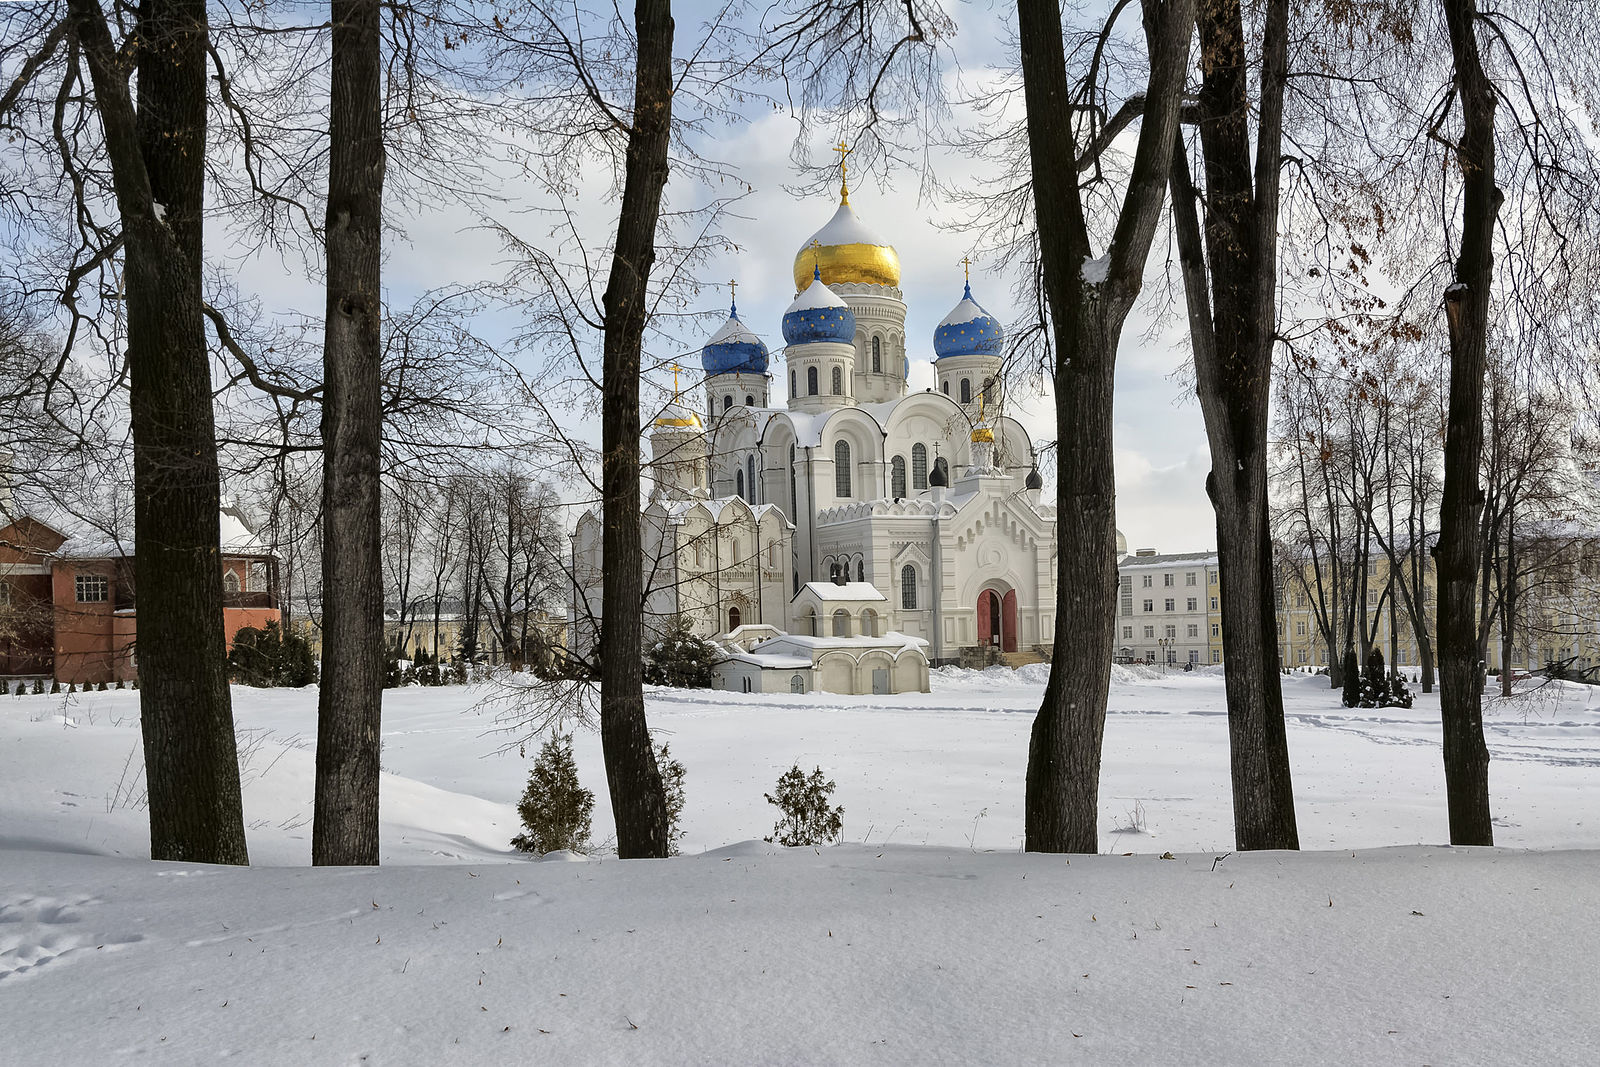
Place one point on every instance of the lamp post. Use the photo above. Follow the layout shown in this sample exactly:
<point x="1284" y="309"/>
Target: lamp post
<point x="1165" y="643"/>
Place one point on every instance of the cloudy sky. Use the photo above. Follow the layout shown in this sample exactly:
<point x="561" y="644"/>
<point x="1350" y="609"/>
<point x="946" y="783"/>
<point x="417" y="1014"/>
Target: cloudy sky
<point x="1161" y="458"/>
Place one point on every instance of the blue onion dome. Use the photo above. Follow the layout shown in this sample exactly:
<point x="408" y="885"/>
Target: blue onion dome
<point x="968" y="331"/>
<point x="818" y="315"/>
<point x="734" y="349"/>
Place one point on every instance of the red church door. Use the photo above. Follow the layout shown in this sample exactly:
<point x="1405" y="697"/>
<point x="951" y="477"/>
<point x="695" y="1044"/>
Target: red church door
<point x="997" y="620"/>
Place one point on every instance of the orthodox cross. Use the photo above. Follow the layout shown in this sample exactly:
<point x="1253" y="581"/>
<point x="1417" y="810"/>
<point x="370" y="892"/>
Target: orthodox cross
<point x="966" y="267"/>
<point x="675" y="370"/>
<point x="733" y="293"/>
<point x="816" y="252"/>
<point x="844" y="151"/>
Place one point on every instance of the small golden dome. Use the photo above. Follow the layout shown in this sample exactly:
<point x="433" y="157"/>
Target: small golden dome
<point x="846" y="251"/>
<point x="982" y="435"/>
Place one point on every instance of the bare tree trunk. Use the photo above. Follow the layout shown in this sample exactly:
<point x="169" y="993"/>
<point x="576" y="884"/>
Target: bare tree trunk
<point x="1466" y="756"/>
<point x="1232" y="312"/>
<point x="638" y="798"/>
<point x="157" y="159"/>
<point x="1063" y="783"/>
<point x="349" y="709"/>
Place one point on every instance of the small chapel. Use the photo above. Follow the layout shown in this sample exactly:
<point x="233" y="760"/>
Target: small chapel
<point x="856" y="534"/>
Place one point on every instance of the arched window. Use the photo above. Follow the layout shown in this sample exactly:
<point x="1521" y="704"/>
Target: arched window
<point x="908" y="587"/>
<point x="861" y="569"/>
<point x="811" y="381"/>
<point x="794" y="383"/>
<point x="230" y="582"/>
<point x="841" y="623"/>
<point x="869" y="623"/>
<point x="727" y="402"/>
<point x="838" y="382"/>
<point x="877" y="355"/>
<point x="750" y="480"/>
<point x="749" y="401"/>
<point x="966" y="390"/>
<point x="733" y="619"/>
<point x="841" y="468"/>
<point x="919" y="467"/>
<point x="897" y="477"/>
<point x="739" y="481"/>
<point x="988" y="392"/>
<point x="946" y="387"/>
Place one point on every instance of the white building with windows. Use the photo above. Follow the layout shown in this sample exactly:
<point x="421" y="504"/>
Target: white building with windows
<point x="1168" y="610"/>
<point x="929" y="501"/>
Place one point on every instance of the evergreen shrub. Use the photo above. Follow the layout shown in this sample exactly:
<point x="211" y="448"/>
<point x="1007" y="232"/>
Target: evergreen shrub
<point x="807" y="817"/>
<point x="555" y="808"/>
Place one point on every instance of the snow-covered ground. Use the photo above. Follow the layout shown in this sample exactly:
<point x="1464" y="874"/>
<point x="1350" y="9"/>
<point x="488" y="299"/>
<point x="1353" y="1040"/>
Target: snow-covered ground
<point x="928" y="937"/>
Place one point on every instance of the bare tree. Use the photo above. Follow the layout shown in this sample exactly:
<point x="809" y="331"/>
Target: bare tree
<point x="1089" y="298"/>
<point x="156" y="152"/>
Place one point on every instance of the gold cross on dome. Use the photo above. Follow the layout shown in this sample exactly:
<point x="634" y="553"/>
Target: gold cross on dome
<point x="733" y="289"/>
<point x="844" y="151"/>
<point x="816" y="252"/>
<point x="966" y="267"/>
<point x="675" y="370"/>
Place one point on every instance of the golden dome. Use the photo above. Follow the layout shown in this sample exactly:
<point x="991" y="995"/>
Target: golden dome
<point x="982" y="435"/>
<point x="846" y="251"/>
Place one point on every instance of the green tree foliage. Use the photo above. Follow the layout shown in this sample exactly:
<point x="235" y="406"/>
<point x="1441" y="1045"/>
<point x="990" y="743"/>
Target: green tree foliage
<point x="680" y="659"/>
<point x="1352" y="679"/>
<point x="807" y="817"/>
<point x="555" y="809"/>
<point x="672" y="776"/>
<point x="268" y="657"/>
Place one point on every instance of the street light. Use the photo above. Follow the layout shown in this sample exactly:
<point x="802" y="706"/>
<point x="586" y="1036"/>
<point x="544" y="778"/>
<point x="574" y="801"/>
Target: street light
<point x="1165" y="643"/>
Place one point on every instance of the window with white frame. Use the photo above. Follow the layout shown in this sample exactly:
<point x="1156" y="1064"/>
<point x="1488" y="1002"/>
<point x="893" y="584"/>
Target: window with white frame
<point x="92" y="588"/>
<point x="908" y="587"/>
<point x="1171" y="604"/>
<point x="841" y="468"/>
<point x="919" y="466"/>
<point x="1149" y="605"/>
<point x="1188" y="579"/>
<point x="1194" y="629"/>
<point x="1194" y="604"/>
<point x="1166" y="579"/>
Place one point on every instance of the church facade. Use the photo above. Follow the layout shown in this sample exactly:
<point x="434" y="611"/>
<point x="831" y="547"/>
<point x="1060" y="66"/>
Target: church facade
<point x="931" y="498"/>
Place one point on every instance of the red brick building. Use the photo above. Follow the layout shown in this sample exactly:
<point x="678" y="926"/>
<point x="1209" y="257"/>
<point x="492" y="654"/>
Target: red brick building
<point x="68" y="609"/>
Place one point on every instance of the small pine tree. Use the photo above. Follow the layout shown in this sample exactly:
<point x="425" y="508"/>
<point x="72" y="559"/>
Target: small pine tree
<point x="807" y="818"/>
<point x="38" y="687"/>
<point x="679" y="658"/>
<point x="120" y="685"/>
<point x="1374" y="681"/>
<point x="1352" y="679"/>
<point x="555" y="809"/>
<point x="1399" y="695"/>
<point x="101" y="688"/>
<point x="672" y="776"/>
<point x="55" y="687"/>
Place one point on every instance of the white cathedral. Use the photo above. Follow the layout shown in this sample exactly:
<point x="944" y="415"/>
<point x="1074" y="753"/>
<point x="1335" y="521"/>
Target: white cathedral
<point x="844" y="541"/>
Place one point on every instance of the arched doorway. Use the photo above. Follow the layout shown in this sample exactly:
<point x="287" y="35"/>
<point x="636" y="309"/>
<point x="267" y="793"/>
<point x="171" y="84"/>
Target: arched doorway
<point x="997" y="619"/>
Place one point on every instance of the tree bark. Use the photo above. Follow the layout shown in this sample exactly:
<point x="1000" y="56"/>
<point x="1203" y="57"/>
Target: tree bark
<point x="1466" y="302"/>
<point x="1232" y="312"/>
<point x="157" y="159"/>
<point x="349" y="707"/>
<point x="1063" y="782"/>
<point x="638" y="798"/>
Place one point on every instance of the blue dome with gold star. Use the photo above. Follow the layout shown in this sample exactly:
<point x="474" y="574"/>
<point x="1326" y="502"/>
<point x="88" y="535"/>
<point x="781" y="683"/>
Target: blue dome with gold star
<point x="968" y="331"/>
<point x="734" y="349"/>
<point x="818" y="315"/>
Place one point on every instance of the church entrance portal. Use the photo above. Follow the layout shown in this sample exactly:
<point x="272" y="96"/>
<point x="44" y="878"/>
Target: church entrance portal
<point x="997" y="619"/>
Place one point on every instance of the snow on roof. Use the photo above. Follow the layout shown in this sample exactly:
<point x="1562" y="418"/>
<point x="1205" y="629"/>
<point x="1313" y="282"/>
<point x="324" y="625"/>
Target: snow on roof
<point x="734" y="331"/>
<point x="1193" y="559"/>
<point x="771" y="661"/>
<point x="848" y="591"/>
<point x="816" y="295"/>
<point x="846" y="228"/>
<point x="965" y="311"/>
